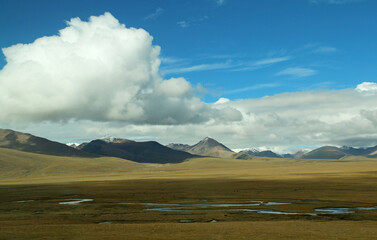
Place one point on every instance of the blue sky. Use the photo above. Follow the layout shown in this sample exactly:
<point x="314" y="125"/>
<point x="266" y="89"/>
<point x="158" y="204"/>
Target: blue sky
<point x="271" y="74"/>
<point x="235" y="49"/>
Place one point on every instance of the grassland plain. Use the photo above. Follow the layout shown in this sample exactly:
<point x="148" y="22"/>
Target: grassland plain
<point x="32" y="186"/>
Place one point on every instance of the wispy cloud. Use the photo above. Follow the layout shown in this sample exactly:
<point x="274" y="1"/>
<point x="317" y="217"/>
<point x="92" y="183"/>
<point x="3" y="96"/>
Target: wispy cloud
<point x="183" y="24"/>
<point x="155" y="14"/>
<point x="297" y="72"/>
<point x="220" y="2"/>
<point x="271" y="61"/>
<point x="200" y="67"/>
<point x="320" y="85"/>
<point x="334" y="1"/>
<point x="260" y="63"/>
<point x="232" y="63"/>
<point x="220" y="56"/>
<point x="325" y="49"/>
<point x="172" y="60"/>
<point x="188" y="22"/>
<point x="254" y="87"/>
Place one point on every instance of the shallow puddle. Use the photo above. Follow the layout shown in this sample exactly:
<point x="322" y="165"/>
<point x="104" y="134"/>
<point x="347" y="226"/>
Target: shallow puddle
<point x="154" y="204"/>
<point x="334" y="210"/>
<point x="25" y="201"/>
<point x="270" y="211"/>
<point x="343" y="209"/>
<point x="75" y="201"/>
<point x="180" y="207"/>
<point x="275" y="203"/>
<point x="265" y="211"/>
<point x="107" y="222"/>
<point x="227" y="207"/>
<point x="185" y="221"/>
<point x="230" y="205"/>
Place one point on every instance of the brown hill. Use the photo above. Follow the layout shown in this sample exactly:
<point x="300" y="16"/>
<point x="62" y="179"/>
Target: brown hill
<point x="30" y="143"/>
<point x="326" y="152"/>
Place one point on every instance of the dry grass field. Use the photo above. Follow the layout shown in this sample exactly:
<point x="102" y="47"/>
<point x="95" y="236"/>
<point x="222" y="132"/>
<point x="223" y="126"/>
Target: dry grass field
<point x="20" y="167"/>
<point x="32" y="186"/>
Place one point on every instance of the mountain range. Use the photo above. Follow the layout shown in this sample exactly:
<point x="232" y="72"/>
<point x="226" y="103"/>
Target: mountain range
<point x="266" y="153"/>
<point x="142" y="152"/>
<point x="330" y="152"/>
<point x="154" y="152"/>
<point x="210" y="147"/>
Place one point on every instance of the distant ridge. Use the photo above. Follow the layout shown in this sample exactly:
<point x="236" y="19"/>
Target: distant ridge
<point x="206" y="147"/>
<point x="267" y="153"/>
<point x="325" y="152"/>
<point x="153" y="152"/>
<point x="179" y="147"/>
<point x="210" y="147"/>
<point x="359" y="151"/>
<point x="330" y="152"/>
<point x="29" y="143"/>
<point x="142" y="152"/>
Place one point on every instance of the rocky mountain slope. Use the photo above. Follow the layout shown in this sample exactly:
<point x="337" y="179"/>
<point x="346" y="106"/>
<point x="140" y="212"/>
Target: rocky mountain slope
<point x="30" y="143"/>
<point x="206" y="147"/>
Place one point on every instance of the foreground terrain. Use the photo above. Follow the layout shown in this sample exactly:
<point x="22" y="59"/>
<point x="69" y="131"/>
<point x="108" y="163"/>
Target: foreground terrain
<point x="45" y="197"/>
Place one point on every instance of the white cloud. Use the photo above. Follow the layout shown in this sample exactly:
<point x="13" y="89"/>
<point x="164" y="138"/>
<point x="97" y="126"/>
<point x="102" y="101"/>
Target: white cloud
<point x="155" y="14"/>
<point x="97" y="70"/>
<point x="175" y="87"/>
<point x="297" y="72"/>
<point x="222" y="100"/>
<point x="368" y="87"/>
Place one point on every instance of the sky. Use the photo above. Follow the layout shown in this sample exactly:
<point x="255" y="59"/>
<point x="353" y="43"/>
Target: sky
<point x="272" y="74"/>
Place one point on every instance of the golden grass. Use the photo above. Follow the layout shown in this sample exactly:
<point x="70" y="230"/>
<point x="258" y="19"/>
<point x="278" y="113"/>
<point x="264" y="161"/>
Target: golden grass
<point x="19" y="168"/>
<point x="22" y="167"/>
<point x="209" y="231"/>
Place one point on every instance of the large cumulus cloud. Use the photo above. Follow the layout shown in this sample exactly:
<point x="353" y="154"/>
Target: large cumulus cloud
<point x="97" y="70"/>
<point x="95" y="76"/>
